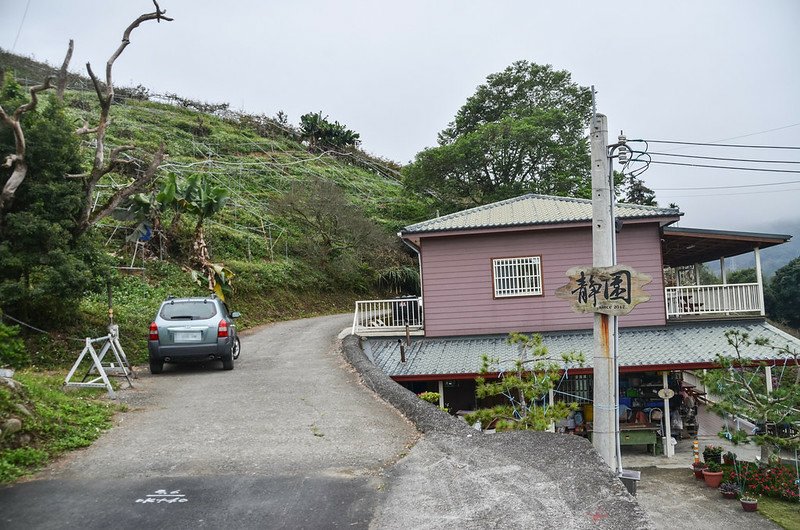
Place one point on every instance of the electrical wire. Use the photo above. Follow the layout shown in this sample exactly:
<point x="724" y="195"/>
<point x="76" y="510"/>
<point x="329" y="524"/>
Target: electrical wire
<point x="726" y="194"/>
<point x="793" y="147"/>
<point x="767" y="170"/>
<point x="21" y="23"/>
<point x="731" y="187"/>
<point x="729" y="159"/>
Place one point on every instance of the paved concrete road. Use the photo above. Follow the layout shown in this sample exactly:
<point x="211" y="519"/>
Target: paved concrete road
<point x="674" y="500"/>
<point x="287" y="439"/>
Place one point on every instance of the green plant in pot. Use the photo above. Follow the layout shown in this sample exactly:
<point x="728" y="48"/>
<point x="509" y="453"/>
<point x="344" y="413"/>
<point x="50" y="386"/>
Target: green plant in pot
<point x="712" y="475"/>
<point x="712" y="453"/>
<point x="729" y="458"/>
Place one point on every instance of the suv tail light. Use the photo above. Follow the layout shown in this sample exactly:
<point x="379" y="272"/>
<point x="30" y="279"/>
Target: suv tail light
<point x="222" y="331"/>
<point x="153" y="331"/>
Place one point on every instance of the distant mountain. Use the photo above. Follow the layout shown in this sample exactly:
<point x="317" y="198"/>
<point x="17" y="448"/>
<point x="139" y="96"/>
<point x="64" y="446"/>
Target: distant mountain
<point x="773" y="258"/>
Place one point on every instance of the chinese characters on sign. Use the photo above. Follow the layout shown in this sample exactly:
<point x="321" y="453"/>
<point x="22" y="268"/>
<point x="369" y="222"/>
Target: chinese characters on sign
<point x="610" y="290"/>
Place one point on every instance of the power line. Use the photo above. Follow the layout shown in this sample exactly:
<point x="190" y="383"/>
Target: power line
<point x="718" y="145"/>
<point x="732" y="187"/>
<point x="759" y="132"/>
<point x="725" y="167"/>
<point x="21" y="23"/>
<point x="668" y="195"/>
<point x="728" y="159"/>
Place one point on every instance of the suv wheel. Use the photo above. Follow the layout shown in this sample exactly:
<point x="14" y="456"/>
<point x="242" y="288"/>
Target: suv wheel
<point x="236" y="348"/>
<point x="227" y="363"/>
<point x="156" y="367"/>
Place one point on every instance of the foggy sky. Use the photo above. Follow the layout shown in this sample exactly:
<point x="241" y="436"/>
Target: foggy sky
<point x="398" y="72"/>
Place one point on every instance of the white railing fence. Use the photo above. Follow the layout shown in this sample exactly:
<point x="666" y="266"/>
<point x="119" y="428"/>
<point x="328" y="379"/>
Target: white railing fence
<point x="379" y="316"/>
<point x="705" y="299"/>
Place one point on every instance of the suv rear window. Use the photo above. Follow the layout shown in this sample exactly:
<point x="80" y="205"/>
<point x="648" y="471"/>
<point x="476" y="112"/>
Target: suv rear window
<point x="193" y="310"/>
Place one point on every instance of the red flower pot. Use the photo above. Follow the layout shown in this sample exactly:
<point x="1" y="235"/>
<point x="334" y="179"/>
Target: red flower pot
<point x="713" y="478"/>
<point x="729" y="494"/>
<point x="698" y="472"/>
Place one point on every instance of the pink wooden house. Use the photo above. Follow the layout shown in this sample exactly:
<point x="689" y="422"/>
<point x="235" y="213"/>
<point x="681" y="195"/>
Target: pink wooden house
<point x="494" y="269"/>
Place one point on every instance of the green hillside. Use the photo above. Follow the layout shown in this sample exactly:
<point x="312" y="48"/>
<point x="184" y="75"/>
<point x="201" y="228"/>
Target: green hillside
<point x="280" y="269"/>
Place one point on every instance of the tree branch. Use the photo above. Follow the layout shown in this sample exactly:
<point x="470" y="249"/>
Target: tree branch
<point x="100" y="167"/>
<point x="17" y="160"/>
<point x="158" y="16"/>
<point x="139" y="183"/>
<point x="62" y="73"/>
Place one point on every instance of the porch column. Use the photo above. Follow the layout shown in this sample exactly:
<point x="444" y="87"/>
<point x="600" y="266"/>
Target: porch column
<point x="668" y="449"/>
<point x="724" y="275"/>
<point x="697" y="274"/>
<point x="760" y="282"/>
<point x="441" y="394"/>
<point x="551" y="402"/>
<point x="768" y="378"/>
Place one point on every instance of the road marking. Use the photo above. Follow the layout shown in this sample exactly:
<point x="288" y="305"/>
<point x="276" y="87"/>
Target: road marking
<point x="162" y="496"/>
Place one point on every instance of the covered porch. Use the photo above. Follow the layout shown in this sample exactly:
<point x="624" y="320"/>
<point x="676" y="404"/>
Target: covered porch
<point x="684" y="250"/>
<point x="650" y="360"/>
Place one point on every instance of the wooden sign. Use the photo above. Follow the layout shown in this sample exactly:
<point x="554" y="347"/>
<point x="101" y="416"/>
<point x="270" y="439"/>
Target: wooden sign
<point x="611" y="290"/>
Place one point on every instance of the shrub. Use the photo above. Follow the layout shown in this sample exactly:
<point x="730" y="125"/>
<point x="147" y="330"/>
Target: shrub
<point x="430" y="397"/>
<point x="12" y="349"/>
<point x="775" y="481"/>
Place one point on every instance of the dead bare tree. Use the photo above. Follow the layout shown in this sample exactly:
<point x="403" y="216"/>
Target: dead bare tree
<point x="17" y="160"/>
<point x="61" y="85"/>
<point x="100" y="167"/>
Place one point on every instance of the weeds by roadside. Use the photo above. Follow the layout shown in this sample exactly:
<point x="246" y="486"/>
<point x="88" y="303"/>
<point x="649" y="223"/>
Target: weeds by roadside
<point x="42" y="421"/>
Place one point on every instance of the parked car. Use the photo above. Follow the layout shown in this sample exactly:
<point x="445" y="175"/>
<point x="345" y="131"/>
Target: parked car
<point x="193" y="330"/>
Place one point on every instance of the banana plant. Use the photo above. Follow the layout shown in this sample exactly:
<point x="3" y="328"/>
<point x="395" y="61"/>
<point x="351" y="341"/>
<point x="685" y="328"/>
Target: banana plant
<point x="202" y="199"/>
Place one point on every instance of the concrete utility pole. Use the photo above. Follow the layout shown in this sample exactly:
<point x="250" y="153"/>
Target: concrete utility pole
<point x="605" y="398"/>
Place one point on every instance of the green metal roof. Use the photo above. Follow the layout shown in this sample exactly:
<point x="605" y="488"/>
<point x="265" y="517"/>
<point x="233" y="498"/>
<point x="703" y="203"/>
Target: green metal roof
<point x="529" y="210"/>
<point x="689" y="344"/>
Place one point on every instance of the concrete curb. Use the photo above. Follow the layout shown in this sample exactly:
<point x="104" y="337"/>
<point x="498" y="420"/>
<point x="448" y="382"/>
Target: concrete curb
<point x="426" y="417"/>
<point x="585" y="493"/>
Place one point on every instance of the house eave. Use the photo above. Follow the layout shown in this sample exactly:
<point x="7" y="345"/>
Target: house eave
<point x="495" y="229"/>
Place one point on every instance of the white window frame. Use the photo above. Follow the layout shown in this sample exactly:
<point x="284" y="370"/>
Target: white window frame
<point x="518" y="276"/>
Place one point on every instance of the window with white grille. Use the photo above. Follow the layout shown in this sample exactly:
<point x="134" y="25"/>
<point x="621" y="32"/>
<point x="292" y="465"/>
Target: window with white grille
<point x="517" y="276"/>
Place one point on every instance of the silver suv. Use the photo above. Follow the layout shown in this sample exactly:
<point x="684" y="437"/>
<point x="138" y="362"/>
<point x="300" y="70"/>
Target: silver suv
<point x="193" y="330"/>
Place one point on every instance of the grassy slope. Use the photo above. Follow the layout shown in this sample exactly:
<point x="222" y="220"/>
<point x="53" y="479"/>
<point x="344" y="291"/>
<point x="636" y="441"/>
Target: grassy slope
<point x="271" y="284"/>
<point x="59" y="421"/>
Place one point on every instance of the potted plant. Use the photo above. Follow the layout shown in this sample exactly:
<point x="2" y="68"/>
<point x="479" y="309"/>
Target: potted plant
<point x="749" y="503"/>
<point x="698" y="468"/>
<point x="713" y="474"/>
<point x="729" y="458"/>
<point x="729" y="490"/>
<point x="712" y="453"/>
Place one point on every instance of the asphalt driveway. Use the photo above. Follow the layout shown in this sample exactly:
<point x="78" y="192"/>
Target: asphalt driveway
<point x="287" y="439"/>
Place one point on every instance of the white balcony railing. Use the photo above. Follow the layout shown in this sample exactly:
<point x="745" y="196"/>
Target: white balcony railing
<point x="385" y="317"/>
<point x="713" y="299"/>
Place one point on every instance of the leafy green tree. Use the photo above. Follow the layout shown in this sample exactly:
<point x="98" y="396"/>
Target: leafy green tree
<point x="784" y="294"/>
<point x="45" y="264"/>
<point x="322" y="134"/>
<point x="336" y="235"/>
<point x="12" y="349"/>
<point x="742" y="391"/>
<point x="523" y="131"/>
<point x="635" y="192"/>
<point x="742" y="276"/>
<point x="526" y="381"/>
